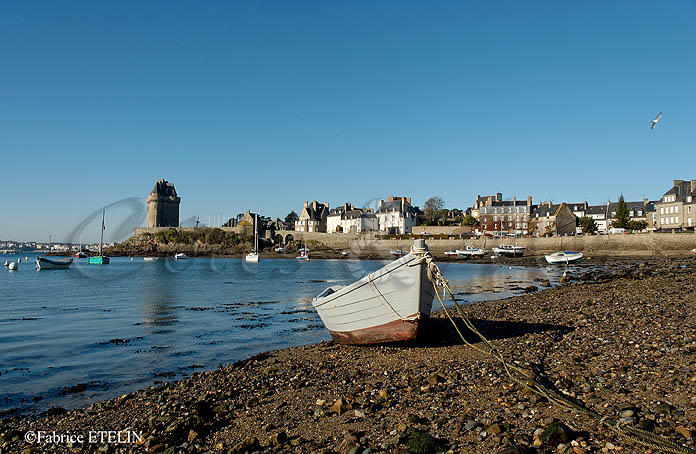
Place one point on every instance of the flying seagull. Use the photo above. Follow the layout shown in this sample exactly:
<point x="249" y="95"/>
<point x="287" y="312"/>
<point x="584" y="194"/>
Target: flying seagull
<point x="654" y="122"/>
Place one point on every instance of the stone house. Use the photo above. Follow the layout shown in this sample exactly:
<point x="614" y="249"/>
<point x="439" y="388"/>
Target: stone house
<point x="599" y="214"/>
<point x="637" y="211"/>
<point x="510" y="216"/>
<point x="550" y="219"/>
<point x="396" y="215"/>
<point x="348" y="219"/>
<point x="676" y="210"/>
<point x="313" y="217"/>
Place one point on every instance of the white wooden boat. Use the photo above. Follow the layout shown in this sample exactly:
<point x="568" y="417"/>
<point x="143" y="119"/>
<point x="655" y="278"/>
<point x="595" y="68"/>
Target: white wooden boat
<point x="564" y="258"/>
<point x="452" y="252"/>
<point x="13" y="266"/>
<point x="45" y="263"/>
<point x="252" y="257"/>
<point x="180" y="256"/>
<point x="509" y="250"/>
<point x="471" y="252"/>
<point x="387" y="305"/>
<point x="397" y="252"/>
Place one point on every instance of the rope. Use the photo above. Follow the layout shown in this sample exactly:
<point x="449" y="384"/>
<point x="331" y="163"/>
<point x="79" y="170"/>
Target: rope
<point x="519" y="376"/>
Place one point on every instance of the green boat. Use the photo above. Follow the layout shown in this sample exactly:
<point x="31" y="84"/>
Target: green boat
<point x="100" y="259"/>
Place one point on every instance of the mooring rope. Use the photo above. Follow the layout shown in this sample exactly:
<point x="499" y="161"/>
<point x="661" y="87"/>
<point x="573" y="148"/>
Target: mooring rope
<point x="519" y="375"/>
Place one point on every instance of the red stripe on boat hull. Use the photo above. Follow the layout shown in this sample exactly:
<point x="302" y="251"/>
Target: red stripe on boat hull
<point x="396" y="331"/>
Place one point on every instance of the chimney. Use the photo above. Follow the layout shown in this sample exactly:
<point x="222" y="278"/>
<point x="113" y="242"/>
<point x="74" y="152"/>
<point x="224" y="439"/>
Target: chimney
<point x="409" y="198"/>
<point x="585" y="204"/>
<point x="645" y="202"/>
<point x="677" y="182"/>
<point x="403" y="204"/>
<point x="380" y="205"/>
<point x="550" y="204"/>
<point x="514" y="201"/>
<point x="390" y="199"/>
<point x="693" y="185"/>
<point x="529" y="200"/>
<point x="346" y="207"/>
<point x="306" y="204"/>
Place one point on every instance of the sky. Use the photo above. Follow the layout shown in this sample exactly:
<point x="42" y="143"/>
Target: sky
<point x="263" y="105"/>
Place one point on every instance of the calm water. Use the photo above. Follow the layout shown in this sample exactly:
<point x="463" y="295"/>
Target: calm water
<point x="123" y="326"/>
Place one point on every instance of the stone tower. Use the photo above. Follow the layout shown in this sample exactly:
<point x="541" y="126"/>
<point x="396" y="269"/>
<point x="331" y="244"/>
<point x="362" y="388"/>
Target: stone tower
<point x="163" y="205"/>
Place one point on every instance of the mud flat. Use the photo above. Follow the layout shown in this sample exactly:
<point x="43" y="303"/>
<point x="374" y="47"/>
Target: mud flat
<point x="621" y="342"/>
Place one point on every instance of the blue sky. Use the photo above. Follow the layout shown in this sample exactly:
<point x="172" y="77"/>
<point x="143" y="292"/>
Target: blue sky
<point x="262" y="105"/>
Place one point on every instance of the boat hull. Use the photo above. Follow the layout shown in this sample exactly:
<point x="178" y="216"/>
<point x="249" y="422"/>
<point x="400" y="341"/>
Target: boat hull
<point x="252" y="258"/>
<point x="567" y="258"/>
<point x="43" y="263"/>
<point x="385" y="306"/>
<point x="509" y="252"/>
<point x="99" y="260"/>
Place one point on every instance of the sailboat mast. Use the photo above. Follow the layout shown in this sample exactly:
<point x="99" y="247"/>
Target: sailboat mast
<point x="49" y="244"/>
<point x="101" y="239"/>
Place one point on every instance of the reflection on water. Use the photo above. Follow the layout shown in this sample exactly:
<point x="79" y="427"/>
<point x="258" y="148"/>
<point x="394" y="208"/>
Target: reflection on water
<point x="123" y="326"/>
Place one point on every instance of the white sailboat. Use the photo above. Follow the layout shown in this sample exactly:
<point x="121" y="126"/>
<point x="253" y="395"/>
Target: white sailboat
<point x="253" y="256"/>
<point x="304" y="253"/>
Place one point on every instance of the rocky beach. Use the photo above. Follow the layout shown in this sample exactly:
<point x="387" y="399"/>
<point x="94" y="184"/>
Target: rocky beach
<point x="620" y="341"/>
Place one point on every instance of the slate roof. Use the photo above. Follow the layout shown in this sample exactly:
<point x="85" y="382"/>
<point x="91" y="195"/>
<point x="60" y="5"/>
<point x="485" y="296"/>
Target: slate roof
<point x="597" y="209"/>
<point x="545" y="210"/>
<point x="682" y="190"/>
<point x="394" y="205"/>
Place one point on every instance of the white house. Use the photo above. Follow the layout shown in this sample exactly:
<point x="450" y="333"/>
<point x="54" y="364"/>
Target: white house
<point x="599" y="214"/>
<point x="396" y="215"/>
<point x="347" y="219"/>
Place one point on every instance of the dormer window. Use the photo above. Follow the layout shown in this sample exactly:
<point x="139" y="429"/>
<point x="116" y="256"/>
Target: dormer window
<point x="688" y="199"/>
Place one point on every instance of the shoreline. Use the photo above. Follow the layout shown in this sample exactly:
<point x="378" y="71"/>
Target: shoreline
<point x="582" y="337"/>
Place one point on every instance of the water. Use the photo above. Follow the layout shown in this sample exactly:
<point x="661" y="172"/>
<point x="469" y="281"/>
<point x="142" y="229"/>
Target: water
<point x="129" y="324"/>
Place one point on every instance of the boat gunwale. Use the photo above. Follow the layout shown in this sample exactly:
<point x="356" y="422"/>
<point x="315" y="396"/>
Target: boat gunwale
<point x="365" y="280"/>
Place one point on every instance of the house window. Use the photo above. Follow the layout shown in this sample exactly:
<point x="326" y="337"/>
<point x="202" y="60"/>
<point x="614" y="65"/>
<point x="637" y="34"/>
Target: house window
<point x="676" y="209"/>
<point x="688" y="209"/>
<point x="676" y="219"/>
<point x="495" y="218"/>
<point x="662" y="210"/>
<point x="524" y="225"/>
<point x="640" y="213"/>
<point x="509" y="218"/>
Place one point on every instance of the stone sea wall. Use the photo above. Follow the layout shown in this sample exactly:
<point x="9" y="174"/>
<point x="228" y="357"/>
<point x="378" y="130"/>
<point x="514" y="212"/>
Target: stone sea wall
<point x="646" y="244"/>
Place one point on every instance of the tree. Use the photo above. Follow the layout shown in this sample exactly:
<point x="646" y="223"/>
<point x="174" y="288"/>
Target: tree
<point x="290" y="219"/>
<point x="637" y="225"/>
<point x="621" y="219"/>
<point x="588" y="224"/>
<point x="432" y="206"/>
<point x="469" y="220"/>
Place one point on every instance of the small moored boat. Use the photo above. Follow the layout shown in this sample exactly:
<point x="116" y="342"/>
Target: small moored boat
<point x="693" y="251"/>
<point x="45" y="263"/>
<point x="180" y="256"/>
<point x="153" y="259"/>
<point x="387" y="305"/>
<point x="7" y="263"/>
<point x="564" y="258"/>
<point x="471" y="252"/>
<point x="509" y="250"/>
<point x="452" y="252"/>
<point x="397" y="252"/>
<point x="13" y="266"/>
